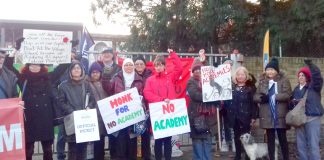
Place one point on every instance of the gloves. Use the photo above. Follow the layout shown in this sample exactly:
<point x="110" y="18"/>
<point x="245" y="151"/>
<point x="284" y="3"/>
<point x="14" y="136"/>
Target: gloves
<point x="215" y="64"/>
<point x="264" y="98"/>
<point x="18" y="43"/>
<point x="308" y="61"/>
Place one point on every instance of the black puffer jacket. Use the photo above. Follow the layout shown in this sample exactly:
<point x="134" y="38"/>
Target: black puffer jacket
<point x="72" y="96"/>
<point x="242" y="107"/>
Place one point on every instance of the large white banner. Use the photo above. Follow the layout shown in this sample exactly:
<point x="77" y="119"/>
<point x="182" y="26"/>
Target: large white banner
<point x="46" y="47"/>
<point x="169" y="119"/>
<point x="86" y="125"/>
<point x="121" y="110"/>
<point x="216" y="83"/>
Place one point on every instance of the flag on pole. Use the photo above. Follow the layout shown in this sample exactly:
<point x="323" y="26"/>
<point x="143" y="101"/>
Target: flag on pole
<point x="266" y="53"/>
<point x="86" y="43"/>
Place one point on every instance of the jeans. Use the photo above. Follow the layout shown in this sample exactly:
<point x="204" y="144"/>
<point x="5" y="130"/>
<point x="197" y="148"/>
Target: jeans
<point x="271" y="134"/>
<point x="99" y="149"/>
<point x="202" y="148"/>
<point x="60" y="144"/>
<point x="308" y="138"/>
<point x="47" y="149"/>
<point x="166" y="142"/>
<point x="77" y="151"/>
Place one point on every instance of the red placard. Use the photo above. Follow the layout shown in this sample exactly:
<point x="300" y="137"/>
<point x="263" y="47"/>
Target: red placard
<point x="12" y="134"/>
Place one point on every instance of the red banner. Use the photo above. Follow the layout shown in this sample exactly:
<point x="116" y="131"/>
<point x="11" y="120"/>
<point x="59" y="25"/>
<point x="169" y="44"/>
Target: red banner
<point x="12" y="138"/>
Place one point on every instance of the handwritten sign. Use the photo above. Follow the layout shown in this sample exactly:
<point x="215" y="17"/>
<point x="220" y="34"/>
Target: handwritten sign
<point x="12" y="138"/>
<point x="46" y="47"/>
<point x="86" y="125"/>
<point x="121" y="110"/>
<point x="169" y="119"/>
<point x="216" y="83"/>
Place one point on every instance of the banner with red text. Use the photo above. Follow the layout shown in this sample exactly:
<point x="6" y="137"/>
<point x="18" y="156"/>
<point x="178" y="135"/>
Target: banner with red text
<point x="12" y="138"/>
<point x="216" y="83"/>
<point x="169" y="119"/>
<point x="121" y="110"/>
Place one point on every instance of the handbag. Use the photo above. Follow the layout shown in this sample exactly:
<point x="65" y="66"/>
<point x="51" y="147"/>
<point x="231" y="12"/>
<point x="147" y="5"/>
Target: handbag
<point x="140" y="127"/>
<point x="297" y="117"/>
<point x="200" y="124"/>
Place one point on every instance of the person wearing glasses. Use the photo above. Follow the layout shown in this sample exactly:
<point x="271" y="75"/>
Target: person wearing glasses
<point x="161" y="87"/>
<point x="141" y="70"/>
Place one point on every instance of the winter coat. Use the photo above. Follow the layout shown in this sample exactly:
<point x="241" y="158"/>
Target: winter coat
<point x="72" y="97"/>
<point x="195" y="95"/>
<point x="282" y="99"/>
<point x="99" y="94"/>
<point x="146" y="74"/>
<point x="10" y="83"/>
<point x="161" y="85"/>
<point x="314" y="106"/>
<point x="38" y="100"/>
<point x="242" y="107"/>
<point x="107" y="72"/>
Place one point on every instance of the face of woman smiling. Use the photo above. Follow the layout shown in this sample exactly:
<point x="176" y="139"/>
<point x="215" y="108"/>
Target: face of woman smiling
<point x="34" y="68"/>
<point x="271" y="73"/>
<point x="129" y="67"/>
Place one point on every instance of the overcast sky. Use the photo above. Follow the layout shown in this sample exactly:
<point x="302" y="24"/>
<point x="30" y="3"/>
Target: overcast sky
<point x="60" y="11"/>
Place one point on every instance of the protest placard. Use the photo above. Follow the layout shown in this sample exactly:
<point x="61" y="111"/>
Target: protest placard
<point x="86" y="125"/>
<point x="169" y="119"/>
<point x="121" y="110"/>
<point x="12" y="138"/>
<point x="46" y="47"/>
<point x="216" y="83"/>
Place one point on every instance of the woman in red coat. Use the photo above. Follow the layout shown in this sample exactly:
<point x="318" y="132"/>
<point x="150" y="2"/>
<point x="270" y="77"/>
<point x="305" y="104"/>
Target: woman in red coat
<point x="160" y="87"/>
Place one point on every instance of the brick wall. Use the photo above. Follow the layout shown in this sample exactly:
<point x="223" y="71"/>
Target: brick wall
<point x="290" y="65"/>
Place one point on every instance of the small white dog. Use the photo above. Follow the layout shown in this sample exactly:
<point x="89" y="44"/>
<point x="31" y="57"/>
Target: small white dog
<point x="256" y="150"/>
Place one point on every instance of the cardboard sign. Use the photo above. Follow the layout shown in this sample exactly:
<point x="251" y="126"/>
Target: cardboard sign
<point x="86" y="125"/>
<point x="46" y="47"/>
<point x="12" y="138"/>
<point x="169" y="119"/>
<point x="216" y="83"/>
<point x="121" y="110"/>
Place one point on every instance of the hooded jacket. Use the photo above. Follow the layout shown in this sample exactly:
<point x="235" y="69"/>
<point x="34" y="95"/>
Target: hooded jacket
<point x="161" y="85"/>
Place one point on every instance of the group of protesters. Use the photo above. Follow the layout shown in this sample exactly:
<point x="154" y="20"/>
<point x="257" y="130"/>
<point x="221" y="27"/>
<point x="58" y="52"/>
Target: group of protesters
<point x="50" y="95"/>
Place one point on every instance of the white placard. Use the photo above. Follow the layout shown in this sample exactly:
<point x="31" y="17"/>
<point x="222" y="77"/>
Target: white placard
<point x="216" y="83"/>
<point x="86" y="125"/>
<point x="121" y="110"/>
<point x="46" y="47"/>
<point x="169" y="119"/>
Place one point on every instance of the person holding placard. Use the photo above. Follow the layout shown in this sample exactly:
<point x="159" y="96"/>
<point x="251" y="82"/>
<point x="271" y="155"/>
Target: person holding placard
<point x="161" y="87"/>
<point x="94" y="80"/>
<point x="203" y="112"/>
<point x="273" y="95"/>
<point x="35" y="83"/>
<point x="140" y="68"/>
<point x="127" y="78"/>
<point x="72" y="97"/>
<point x="8" y="80"/>
<point x="110" y="68"/>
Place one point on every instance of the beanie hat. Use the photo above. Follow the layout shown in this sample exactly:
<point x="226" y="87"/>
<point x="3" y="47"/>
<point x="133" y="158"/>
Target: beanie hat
<point x="273" y="64"/>
<point x="108" y="50"/>
<point x="95" y="66"/>
<point x="306" y="72"/>
<point x="196" y="65"/>
<point x="140" y="57"/>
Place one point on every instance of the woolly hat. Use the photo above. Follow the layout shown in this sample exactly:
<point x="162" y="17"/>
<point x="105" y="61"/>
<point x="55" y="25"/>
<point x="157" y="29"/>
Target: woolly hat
<point x="273" y="64"/>
<point x="307" y="73"/>
<point x="196" y="65"/>
<point x="95" y="66"/>
<point x="140" y="57"/>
